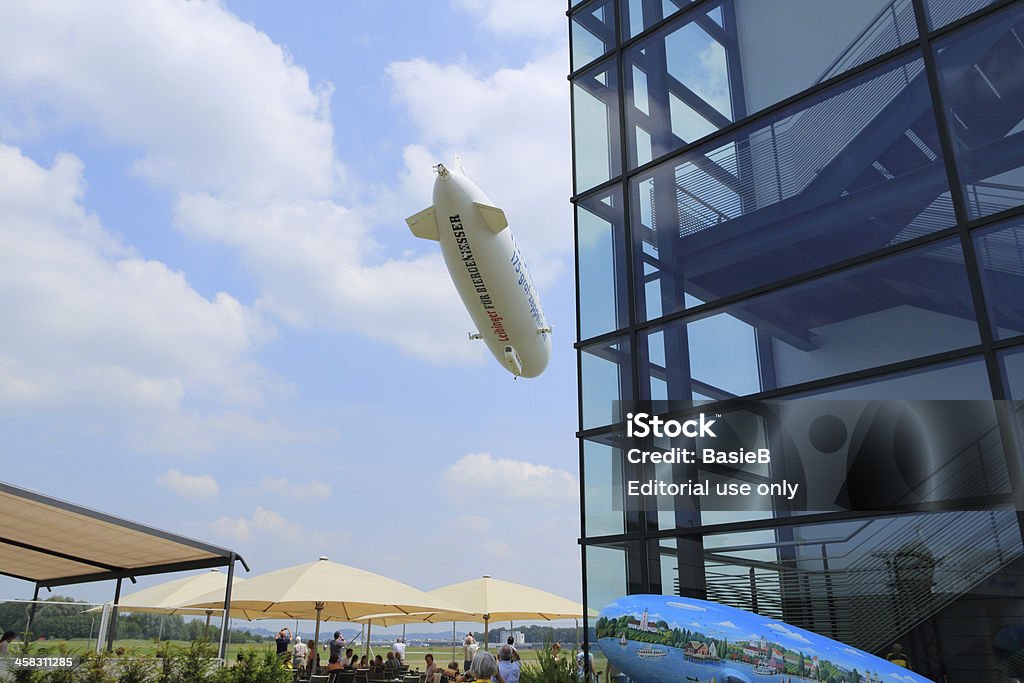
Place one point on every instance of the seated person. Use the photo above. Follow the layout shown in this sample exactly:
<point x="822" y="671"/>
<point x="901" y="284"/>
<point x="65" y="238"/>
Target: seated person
<point x="334" y="664"/>
<point x="378" y="661"/>
<point x="482" y="668"/>
<point x="391" y="662"/>
<point x="364" y="663"/>
<point x="349" y="661"/>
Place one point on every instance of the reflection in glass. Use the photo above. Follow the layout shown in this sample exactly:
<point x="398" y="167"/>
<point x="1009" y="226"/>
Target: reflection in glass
<point x="942" y="12"/>
<point x="980" y="69"/>
<point x="601" y="245"/>
<point x="853" y="170"/>
<point x="1012" y="362"/>
<point x="728" y="59"/>
<point x="593" y="32"/>
<point x="903" y="307"/>
<point x="596" y="127"/>
<point x="602" y="466"/>
<point x="1002" y="275"/>
<point x="605" y="371"/>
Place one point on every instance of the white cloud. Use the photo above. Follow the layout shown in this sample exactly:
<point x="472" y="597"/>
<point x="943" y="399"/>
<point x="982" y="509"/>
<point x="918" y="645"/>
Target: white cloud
<point x="188" y="485"/>
<point x="686" y="605"/>
<point x="521" y="18"/>
<point x="511" y="128"/>
<point x="284" y="487"/>
<point x="505" y="478"/>
<point x="262" y="523"/>
<point x="213" y="104"/>
<point x="221" y="116"/>
<point x="92" y="325"/>
<point x="727" y="624"/>
<point x="789" y="633"/>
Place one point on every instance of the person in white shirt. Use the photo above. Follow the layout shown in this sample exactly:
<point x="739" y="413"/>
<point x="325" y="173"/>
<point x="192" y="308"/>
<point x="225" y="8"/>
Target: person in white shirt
<point x="399" y="649"/>
<point x="299" y="653"/>
<point x="508" y="667"/>
<point x="469" y="649"/>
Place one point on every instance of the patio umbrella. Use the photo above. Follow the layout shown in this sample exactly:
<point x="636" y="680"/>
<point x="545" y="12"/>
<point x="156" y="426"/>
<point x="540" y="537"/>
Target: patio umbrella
<point x="327" y="591"/>
<point x="170" y="597"/>
<point x="495" y="599"/>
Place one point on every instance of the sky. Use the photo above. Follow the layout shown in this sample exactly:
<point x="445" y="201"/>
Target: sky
<point x="216" y="321"/>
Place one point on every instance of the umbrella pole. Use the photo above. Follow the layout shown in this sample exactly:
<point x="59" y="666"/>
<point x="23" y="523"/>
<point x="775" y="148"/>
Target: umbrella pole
<point x="206" y="628"/>
<point x="487" y="636"/>
<point x="369" y="627"/>
<point x="316" y="638"/>
<point x="453" y="641"/>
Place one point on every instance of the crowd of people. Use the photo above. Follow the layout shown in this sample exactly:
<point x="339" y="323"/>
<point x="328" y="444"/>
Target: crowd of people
<point x="477" y="665"/>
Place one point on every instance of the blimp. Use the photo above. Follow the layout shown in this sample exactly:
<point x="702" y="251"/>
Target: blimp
<point x="488" y="270"/>
<point x="668" y="639"/>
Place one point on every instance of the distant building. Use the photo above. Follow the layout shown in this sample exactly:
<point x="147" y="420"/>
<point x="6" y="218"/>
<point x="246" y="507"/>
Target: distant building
<point x="518" y="637"/>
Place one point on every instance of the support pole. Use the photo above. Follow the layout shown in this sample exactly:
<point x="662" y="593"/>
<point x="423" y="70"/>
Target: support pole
<point x="369" y="627"/>
<point x="31" y="613"/>
<point x="453" y="641"/>
<point x="316" y="639"/>
<point x="487" y="637"/>
<point x="112" y="631"/>
<point x="225" y="622"/>
<point x="206" y="626"/>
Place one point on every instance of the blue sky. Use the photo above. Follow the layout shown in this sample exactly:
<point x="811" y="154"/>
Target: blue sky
<point x="217" y="321"/>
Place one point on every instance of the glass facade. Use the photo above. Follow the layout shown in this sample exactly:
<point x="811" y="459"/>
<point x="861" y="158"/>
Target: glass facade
<point x="806" y="199"/>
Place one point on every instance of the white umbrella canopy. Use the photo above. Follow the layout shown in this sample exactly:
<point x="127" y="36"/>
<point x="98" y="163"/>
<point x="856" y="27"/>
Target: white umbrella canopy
<point x="170" y="597"/>
<point x="494" y="599"/>
<point x="503" y="600"/>
<point x="326" y="590"/>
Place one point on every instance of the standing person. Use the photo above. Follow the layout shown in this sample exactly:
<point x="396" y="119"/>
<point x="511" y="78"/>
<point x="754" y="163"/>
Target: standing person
<point x="337" y="645"/>
<point x="898" y="657"/>
<point x="508" y="666"/>
<point x="312" y="658"/>
<point x="283" y="640"/>
<point x="400" y="649"/>
<point x="299" y="654"/>
<point x="469" y="649"/>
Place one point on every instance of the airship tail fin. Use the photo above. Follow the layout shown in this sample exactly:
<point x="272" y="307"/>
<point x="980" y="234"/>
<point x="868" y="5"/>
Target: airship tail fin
<point x="493" y="217"/>
<point x="458" y="165"/>
<point x="423" y="224"/>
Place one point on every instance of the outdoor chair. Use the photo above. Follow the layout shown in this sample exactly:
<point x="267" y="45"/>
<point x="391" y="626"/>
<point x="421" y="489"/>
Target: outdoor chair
<point x="319" y="678"/>
<point x="347" y="676"/>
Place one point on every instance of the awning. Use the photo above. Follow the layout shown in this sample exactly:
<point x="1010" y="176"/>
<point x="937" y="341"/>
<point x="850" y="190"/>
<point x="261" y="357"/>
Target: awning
<point x="52" y="542"/>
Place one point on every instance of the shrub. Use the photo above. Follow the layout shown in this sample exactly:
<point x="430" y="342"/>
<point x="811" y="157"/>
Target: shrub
<point x="550" y="670"/>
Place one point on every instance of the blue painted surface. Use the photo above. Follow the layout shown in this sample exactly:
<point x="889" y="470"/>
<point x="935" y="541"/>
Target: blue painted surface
<point x="667" y="639"/>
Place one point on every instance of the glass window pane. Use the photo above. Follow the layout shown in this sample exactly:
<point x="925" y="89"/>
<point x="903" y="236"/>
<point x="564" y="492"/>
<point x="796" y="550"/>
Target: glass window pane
<point x="593" y="32"/>
<point x="942" y="12"/>
<point x="853" y="170"/>
<point x="903" y="307"/>
<point x="980" y="69"/>
<point x="640" y="15"/>
<point x="736" y="57"/>
<point x="602" y="467"/>
<point x="1013" y="372"/>
<point x="960" y="380"/>
<point x="596" y="127"/>
<point x="605" y="372"/>
<point x="1001" y="258"/>
<point x="601" y="245"/>
<point x="613" y="570"/>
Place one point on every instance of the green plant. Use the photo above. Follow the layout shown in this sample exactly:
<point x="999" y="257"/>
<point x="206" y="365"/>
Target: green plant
<point x="94" y="669"/>
<point x="190" y="665"/>
<point x="548" y="669"/>
<point x="134" y="668"/>
<point x="256" y="666"/>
